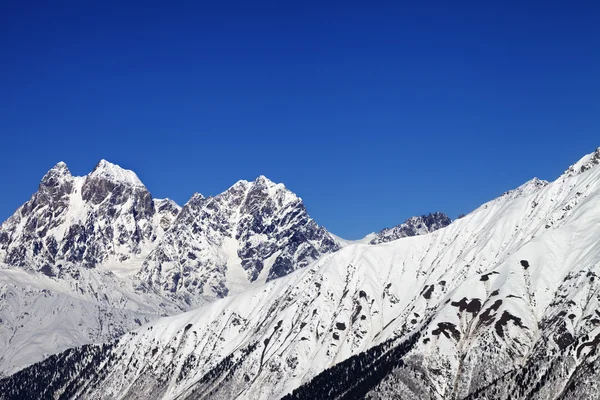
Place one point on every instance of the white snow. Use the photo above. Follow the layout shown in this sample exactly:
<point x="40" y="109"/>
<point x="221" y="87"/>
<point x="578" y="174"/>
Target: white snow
<point x="110" y="171"/>
<point x="346" y="242"/>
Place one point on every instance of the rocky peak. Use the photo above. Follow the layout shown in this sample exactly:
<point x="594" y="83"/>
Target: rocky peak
<point x="55" y="185"/>
<point x="413" y="226"/>
<point x="263" y="193"/>
<point x="56" y="175"/>
<point x="253" y="231"/>
<point x="108" y="183"/>
<point x="196" y="198"/>
<point x="262" y="180"/>
<point x="108" y="171"/>
<point x="431" y="222"/>
<point x="83" y="221"/>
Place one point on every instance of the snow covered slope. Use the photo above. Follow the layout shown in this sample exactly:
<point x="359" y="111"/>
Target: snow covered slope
<point x="40" y="315"/>
<point x="503" y="302"/>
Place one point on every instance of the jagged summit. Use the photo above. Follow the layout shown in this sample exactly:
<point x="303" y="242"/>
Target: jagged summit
<point x="196" y="197"/>
<point x="250" y="194"/>
<point x="55" y="176"/>
<point x="83" y="221"/>
<point x="113" y="172"/>
<point x="263" y="180"/>
<point x="251" y="233"/>
<point x="60" y="169"/>
<point x="60" y="166"/>
<point x="103" y="171"/>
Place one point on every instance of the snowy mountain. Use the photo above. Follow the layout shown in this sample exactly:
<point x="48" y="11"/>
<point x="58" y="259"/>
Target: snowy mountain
<point x="503" y="303"/>
<point x="413" y="226"/>
<point x="89" y="258"/>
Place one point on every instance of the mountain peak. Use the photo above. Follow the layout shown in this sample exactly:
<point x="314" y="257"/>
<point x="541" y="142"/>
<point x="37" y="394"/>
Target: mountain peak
<point x="196" y="199"/>
<point x="585" y="163"/>
<point x="113" y="172"/>
<point x="260" y="182"/>
<point x="263" y="180"/>
<point x="61" y="165"/>
<point x="56" y="174"/>
<point x="60" y="168"/>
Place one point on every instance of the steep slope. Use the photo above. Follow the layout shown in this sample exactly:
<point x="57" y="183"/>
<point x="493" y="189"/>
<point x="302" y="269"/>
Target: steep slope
<point x="531" y="331"/>
<point x="447" y="315"/>
<point x="40" y="315"/>
<point x="251" y="233"/>
<point x="412" y="227"/>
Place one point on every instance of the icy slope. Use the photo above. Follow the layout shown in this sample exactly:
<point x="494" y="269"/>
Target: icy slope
<point x="447" y="314"/>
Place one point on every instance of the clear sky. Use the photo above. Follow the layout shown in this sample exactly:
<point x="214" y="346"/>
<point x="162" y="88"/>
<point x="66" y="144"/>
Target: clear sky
<point x="371" y="112"/>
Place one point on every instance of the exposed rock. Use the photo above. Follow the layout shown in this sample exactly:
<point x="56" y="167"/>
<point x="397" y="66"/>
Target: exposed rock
<point x="412" y="227"/>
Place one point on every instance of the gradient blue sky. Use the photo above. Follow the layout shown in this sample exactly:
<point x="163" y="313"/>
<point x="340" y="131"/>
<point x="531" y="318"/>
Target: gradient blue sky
<point x="371" y="112"/>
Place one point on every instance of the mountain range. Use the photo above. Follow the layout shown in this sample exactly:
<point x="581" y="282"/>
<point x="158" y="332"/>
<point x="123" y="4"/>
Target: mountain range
<point x="261" y="302"/>
<point x="89" y="258"/>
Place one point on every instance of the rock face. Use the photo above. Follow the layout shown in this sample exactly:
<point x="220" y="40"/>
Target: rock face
<point x="81" y="222"/>
<point x="413" y="226"/>
<point x="251" y="233"/>
<point x="217" y="244"/>
<point x="503" y="303"/>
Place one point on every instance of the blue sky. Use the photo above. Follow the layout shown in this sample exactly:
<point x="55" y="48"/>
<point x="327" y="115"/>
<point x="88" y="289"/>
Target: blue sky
<point x="371" y="112"/>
